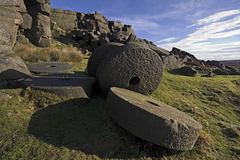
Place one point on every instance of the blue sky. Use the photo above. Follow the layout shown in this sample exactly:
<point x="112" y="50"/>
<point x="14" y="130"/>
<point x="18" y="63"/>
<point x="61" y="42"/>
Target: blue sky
<point x="209" y="29"/>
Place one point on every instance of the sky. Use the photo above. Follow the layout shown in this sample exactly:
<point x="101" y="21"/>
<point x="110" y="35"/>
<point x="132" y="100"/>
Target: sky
<point x="208" y="29"/>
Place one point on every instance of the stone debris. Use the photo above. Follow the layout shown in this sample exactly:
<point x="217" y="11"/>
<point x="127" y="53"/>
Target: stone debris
<point x="152" y="120"/>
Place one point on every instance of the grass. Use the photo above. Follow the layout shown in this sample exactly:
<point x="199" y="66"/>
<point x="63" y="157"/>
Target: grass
<point x="38" y="125"/>
<point x="33" y="54"/>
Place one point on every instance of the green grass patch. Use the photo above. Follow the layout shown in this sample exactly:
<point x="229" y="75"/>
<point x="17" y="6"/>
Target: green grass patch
<point x="38" y="125"/>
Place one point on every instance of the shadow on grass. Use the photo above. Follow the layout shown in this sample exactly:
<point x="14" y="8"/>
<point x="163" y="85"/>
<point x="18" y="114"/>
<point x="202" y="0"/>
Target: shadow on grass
<point x="83" y="125"/>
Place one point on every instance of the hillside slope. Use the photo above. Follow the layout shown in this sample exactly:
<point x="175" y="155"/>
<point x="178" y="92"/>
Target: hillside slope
<point x="36" y="125"/>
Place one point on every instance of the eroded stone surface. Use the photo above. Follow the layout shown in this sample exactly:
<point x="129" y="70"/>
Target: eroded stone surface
<point x="152" y="120"/>
<point x="98" y="56"/>
<point x="132" y="66"/>
<point x="67" y="85"/>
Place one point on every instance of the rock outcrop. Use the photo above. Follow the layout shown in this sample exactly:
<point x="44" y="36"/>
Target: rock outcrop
<point x="13" y="14"/>
<point x="40" y="32"/>
<point x="91" y="30"/>
<point x="207" y="68"/>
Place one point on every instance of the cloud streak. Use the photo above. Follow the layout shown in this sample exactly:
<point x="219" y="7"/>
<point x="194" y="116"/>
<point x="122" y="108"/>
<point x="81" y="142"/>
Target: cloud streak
<point x="201" y="43"/>
<point x="167" y="40"/>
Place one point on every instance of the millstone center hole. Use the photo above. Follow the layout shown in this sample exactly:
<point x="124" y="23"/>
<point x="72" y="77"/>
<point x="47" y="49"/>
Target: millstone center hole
<point x="155" y="104"/>
<point x="134" y="81"/>
<point x="51" y="66"/>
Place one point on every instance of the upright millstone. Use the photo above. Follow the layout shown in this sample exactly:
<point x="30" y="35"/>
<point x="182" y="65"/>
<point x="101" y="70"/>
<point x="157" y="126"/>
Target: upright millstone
<point x="132" y="66"/>
<point x="98" y="55"/>
<point x="152" y="120"/>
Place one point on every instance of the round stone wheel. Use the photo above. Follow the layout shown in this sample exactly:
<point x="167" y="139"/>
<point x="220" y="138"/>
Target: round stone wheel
<point x="67" y="85"/>
<point x="98" y="55"/>
<point x="152" y="120"/>
<point x="132" y="66"/>
<point x="50" y="67"/>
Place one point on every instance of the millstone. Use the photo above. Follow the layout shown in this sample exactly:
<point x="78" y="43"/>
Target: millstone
<point x="132" y="66"/>
<point x="68" y="85"/>
<point x="152" y="120"/>
<point x="98" y="55"/>
<point x="50" y="67"/>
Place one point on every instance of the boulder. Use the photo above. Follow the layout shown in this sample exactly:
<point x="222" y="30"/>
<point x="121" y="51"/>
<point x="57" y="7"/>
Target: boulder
<point x="132" y="66"/>
<point x="152" y="120"/>
<point x="12" y="66"/>
<point x="65" y="19"/>
<point x="3" y="94"/>
<point x="27" y="21"/>
<point x="115" y="26"/>
<point x="186" y="71"/>
<point x="171" y="62"/>
<point x="98" y="56"/>
<point x="160" y="51"/>
<point x="121" y="36"/>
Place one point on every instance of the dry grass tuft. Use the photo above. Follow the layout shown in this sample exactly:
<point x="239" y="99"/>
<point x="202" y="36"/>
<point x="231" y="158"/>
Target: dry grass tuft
<point x="32" y="54"/>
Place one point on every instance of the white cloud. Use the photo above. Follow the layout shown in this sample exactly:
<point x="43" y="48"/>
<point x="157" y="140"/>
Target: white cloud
<point x="199" y="42"/>
<point x="216" y="17"/>
<point x="167" y="40"/>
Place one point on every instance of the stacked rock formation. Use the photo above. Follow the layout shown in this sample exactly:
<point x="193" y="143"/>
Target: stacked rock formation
<point x="40" y="32"/>
<point x="91" y="30"/>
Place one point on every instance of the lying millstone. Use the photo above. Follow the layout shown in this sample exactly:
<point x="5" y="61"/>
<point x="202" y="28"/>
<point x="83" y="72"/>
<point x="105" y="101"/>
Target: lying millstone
<point x="67" y="85"/>
<point x="132" y="66"/>
<point x="152" y="120"/>
<point x="50" y="67"/>
<point x="98" y="55"/>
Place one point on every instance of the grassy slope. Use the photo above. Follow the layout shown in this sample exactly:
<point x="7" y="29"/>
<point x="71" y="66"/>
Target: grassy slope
<point x="80" y="129"/>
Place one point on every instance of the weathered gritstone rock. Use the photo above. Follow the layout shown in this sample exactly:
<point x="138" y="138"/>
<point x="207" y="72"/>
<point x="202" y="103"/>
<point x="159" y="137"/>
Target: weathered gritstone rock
<point x="3" y="94"/>
<point x="186" y="71"/>
<point x="98" y="56"/>
<point x="67" y="85"/>
<point x="132" y="66"/>
<point x="11" y="65"/>
<point x="152" y="120"/>
<point x="50" y="67"/>
<point x="171" y="62"/>
<point x="40" y="32"/>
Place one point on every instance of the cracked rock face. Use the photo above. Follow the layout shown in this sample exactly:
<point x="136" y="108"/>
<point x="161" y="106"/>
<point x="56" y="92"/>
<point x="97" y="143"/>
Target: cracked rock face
<point x="132" y="66"/>
<point x="11" y="17"/>
<point x="152" y="120"/>
<point x="40" y="32"/>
